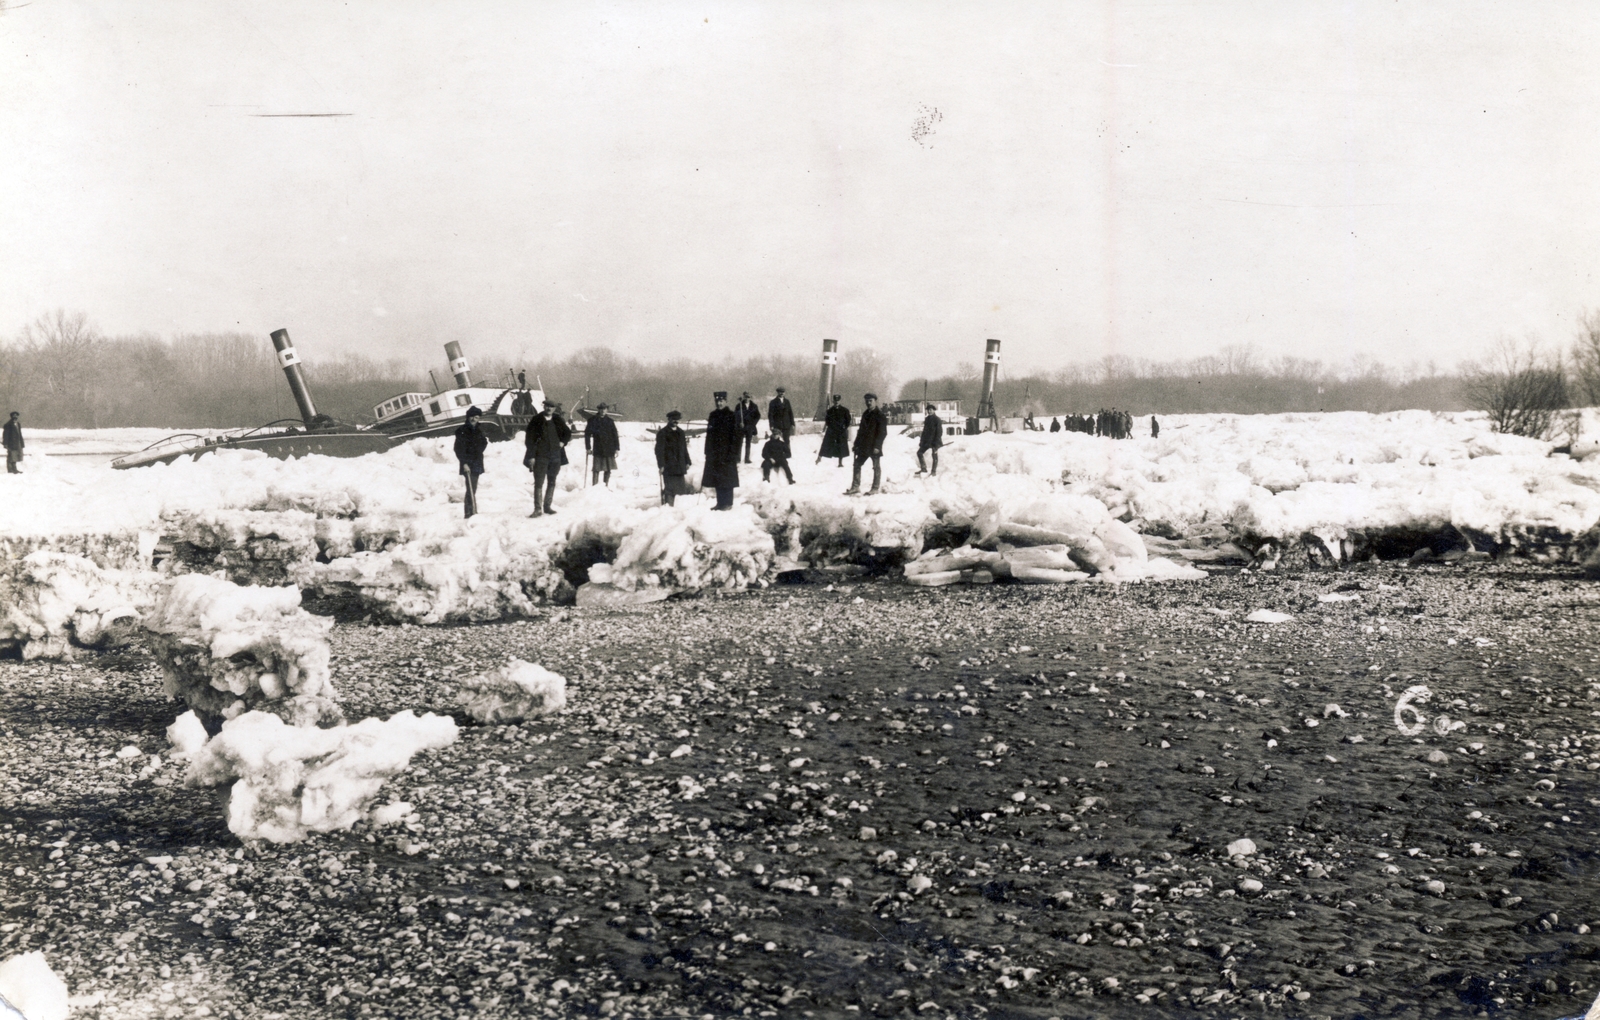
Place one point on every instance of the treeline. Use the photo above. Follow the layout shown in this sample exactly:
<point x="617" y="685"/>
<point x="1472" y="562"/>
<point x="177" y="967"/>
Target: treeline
<point x="60" y="372"/>
<point x="1234" y="382"/>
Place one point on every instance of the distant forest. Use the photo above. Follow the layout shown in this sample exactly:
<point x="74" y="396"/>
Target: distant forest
<point x="62" y="373"/>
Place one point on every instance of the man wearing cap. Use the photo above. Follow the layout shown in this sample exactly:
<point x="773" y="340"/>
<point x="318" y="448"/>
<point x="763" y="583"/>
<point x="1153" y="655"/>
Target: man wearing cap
<point x="775" y="457"/>
<point x="13" y="443"/>
<point x="745" y="416"/>
<point x="780" y="417"/>
<point x="601" y="440"/>
<point x="470" y="444"/>
<point x="546" y="452"/>
<point x="722" y="452"/>
<point x="870" y="434"/>
<point x="932" y="439"/>
<point x="835" y="432"/>
<point x="672" y="459"/>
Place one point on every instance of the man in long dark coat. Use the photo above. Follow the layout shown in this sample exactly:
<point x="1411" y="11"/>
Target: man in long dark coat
<point x="932" y="439"/>
<point x="13" y="443"/>
<point x="547" y="439"/>
<point x="672" y="459"/>
<point x="835" y="432"/>
<point x="470" y="444"/>
<point x="601" y="440"/>
<point x="746" y="415"/>
<point x="870" y="434"/>
<point x="780" y="417"/>
<point x="722" y="452"/>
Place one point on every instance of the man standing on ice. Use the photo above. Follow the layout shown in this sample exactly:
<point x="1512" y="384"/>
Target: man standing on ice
<point x="672" y="459"/>
<point x="745" y="416"/>
<point x="13" y="441"/>
<point x="932" y="439"/>
<point x="870" y="434"/>
<point x="601" y="440"/>
<point x="546" y="445"/>
<point x="722" y="452"/>
<point x="835" y="432"/>
<point x="780" y="417"/>
<point x="470" y="444"/>
<point x="1155" y="428"/>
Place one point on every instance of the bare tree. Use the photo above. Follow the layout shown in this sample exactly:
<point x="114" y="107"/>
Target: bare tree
<point x="1523" y="389"/>
<point x="1586" y="359"/>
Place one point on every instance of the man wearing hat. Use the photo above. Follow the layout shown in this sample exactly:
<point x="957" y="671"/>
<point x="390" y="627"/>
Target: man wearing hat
<point x="780" y="417"/>
<point x="672" y="459"/>
<point x="13" y="443"/>
<point x="722" y="452"/>
<point x="835" y="432"/>
<point x="870" y="434"/>
<point x="601" y="440"/>
<point x="546" y="452"/>
<point x="470" y="444"/>
<point x="932" y="439"/>
<point x="745" y="416"/>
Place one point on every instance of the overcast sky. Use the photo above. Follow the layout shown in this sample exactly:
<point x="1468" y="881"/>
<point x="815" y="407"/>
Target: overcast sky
<point x="1401" y="180"/>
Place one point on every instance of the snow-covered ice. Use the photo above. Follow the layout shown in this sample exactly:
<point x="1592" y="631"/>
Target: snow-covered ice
<point x="28" y="983"/>
<point x="387" y="528"/>
<point x="291" y="781"/>
<point x="514" y="692"/>
<point x="226" y="649"/>
<point x="54" y="603"/>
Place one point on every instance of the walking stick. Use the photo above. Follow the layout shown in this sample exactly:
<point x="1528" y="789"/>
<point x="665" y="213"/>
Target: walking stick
<point x="662" y="475"/>
<point x="472" y="491"/>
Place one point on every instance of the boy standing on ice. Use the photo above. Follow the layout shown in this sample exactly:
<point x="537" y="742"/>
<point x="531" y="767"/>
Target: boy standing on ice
<point x="932" y="439"/>
<point x="870" y="434"/>
<point x="547" y="438"/>
<point x="13" y="443"/>
<point x="722" y="452"/>
<point x="672" y="459"/>
<point x="470" y="444"/>
<point x="775" y="457"/>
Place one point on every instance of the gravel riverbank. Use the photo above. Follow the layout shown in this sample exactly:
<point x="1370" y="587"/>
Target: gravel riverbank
<point x="872" y="800"/>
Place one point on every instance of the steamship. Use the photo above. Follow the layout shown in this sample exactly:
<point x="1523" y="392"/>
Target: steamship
<point x="283" y="439"/>
<point x="417" y="415"/>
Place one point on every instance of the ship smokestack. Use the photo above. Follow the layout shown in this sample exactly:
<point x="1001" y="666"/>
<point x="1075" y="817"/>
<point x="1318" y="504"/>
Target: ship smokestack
<point x="991" y="370"/>
<point x="830" y="362"/>
<point x="290" y="360"/>
<point x="458" y="364"/>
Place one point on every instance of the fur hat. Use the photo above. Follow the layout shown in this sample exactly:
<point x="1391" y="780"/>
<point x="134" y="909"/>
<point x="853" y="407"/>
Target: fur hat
<point x="474" y="411"/>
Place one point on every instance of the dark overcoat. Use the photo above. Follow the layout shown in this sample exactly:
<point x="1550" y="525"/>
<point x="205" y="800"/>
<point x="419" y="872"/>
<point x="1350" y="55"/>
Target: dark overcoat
<point x="780" y="415"/>
<point x="871" y="433"/>
<point x="836" y="432"/>
<point x="547" y="438"/>
<point x="600" y="436"/>
<point x="13" y="435"/>
<point x="747" y="416"/>
<point x="470" y="444"/>
<point x="672" y="451"/>
<point x="932" y="433"/>
<point x="724" y="443"/>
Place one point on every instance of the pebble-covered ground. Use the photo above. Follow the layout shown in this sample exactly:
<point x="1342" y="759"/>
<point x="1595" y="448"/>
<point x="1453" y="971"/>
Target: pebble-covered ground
<point x="871" y="800"/>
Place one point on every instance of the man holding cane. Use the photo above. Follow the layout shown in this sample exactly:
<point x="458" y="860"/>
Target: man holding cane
<point x="470" y="444"/>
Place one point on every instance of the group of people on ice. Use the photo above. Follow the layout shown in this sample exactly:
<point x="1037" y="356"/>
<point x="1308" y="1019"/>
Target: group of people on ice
<point x="1113" y="424"/>
<point x="730" y="430"/>
<point x="730" y="435"/>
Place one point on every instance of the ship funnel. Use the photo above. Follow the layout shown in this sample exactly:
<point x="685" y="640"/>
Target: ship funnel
<point x="830" y="362"/>
<point x="458" y="364"/>
<point x="290" y="360"/>
<point x="991" y="370"/>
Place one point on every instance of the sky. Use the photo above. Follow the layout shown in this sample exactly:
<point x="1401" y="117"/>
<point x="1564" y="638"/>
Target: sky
<point x="1401" y="181"/>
